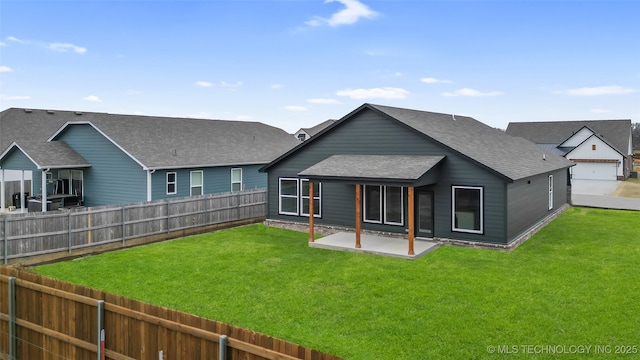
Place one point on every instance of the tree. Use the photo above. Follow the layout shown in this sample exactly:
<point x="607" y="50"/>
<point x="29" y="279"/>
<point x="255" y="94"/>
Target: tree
<point x="635" y="135"/>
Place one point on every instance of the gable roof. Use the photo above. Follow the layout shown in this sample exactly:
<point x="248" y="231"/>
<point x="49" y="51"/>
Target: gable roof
<point x="316" y="129"/>
<point x="160" y="142"/>
<point x="49" y="155"/>
<point x="615" y="132"/>
<point x="511" y="157"/>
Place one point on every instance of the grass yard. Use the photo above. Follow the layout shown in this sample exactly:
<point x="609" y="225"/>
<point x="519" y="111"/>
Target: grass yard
<point x="575" y="283"/>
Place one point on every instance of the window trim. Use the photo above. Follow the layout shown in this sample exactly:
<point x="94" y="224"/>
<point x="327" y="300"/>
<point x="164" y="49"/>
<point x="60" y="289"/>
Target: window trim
<point x="191" y="186"/>
<point x="280" y="196"/>
<point x="364" y="205"/>
<point x="174" y="183"/>
<point x="550" y="192"/>
<point x="384" y="200"/>
<point x="236" y="182"/>
<point x="317" y="212"/>
<point x="453" y="209"/>
<point x="383" y="206"/>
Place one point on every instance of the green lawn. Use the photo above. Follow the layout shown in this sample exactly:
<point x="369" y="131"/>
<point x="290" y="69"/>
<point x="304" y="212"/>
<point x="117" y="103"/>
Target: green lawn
<point x="575" y="283"/>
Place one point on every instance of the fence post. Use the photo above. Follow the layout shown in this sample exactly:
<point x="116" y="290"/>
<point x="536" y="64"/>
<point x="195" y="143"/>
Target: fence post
<point x="6" y="239"/>
<point x="124" y="237"/>
<point x="69" y="233"/>
<point x="100" y="316"/>
<point x="12" y="317"/>
<point x="222" y="347"/>
<point x="168" y="217"/>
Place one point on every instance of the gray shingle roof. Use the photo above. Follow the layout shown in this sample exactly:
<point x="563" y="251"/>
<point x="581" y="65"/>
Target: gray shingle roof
<point x="389" y="167"/>
<point x="52" y="155"/>
<point x="615" y="132"/>
<point x="161" y="142"/>
<point x="513" y="157"/>
<point x="316" y="129"/>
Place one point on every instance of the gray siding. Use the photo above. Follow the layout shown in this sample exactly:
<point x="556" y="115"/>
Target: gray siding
<point x="215" y="180"/>
<point x="528" y="201"/>
<point x="113" y="177"/>
<point x="372" y="134"/>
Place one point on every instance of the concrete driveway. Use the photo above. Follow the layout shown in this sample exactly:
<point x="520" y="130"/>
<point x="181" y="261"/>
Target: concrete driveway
<point x="599" y="194"/>
<point x="594" y="187"/>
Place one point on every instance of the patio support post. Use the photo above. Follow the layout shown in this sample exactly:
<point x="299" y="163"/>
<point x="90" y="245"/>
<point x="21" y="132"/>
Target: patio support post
<point x="411" y="219"/>
<point x="311" y="211"/>
<point x="22" y="204"/>
<point x="358" y="215"/>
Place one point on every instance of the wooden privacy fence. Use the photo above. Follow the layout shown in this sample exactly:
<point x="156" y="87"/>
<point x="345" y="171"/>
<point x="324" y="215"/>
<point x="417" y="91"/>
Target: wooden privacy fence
<point x="44" y="318"/>
<point x="37" y="237"/>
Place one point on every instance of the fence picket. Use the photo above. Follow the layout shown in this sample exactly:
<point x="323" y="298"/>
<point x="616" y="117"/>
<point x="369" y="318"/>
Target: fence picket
<point x="29" y="237"/>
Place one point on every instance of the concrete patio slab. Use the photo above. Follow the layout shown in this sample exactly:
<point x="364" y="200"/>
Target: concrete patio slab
<point x="374" y="244"/>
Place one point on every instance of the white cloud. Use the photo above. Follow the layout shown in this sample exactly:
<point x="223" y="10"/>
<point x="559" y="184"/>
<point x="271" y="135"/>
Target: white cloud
<point x="598" y="90"/>
<point x="15" y="39"/>
<point x="204" y="84"/>
<point x="472" y="93"/>
<point x="92" y="98"/>
<point x="323" y="101"/>
<point x="600" y="111"/>
<point x="4" y="68"/>
<point x="295" y="108"/>
<point x="2" y="44"/>
<point x="430" y="80"/>
<point x="354" y="11"/>
<point x="63" y="47"/>
<point x="277" y="86"/>
<point x="383" y="93"/>
<point x="231" y="85"/>
<point x="14" y="97"/>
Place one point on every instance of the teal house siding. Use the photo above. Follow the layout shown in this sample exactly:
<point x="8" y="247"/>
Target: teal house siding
<point x="113" y="177"/>
<point x="215" y="180"/>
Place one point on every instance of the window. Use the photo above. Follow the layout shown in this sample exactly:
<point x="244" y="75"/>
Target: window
<point x="236" y="179"/>
<point x="196" y="183"/>
<point x="288" y="194"/>
<point x="304" y="198"/>
<point x="383" y="204"/>
<point x="69" y="182"/>
<point x="467" y="205"/>
<point x="550" y="192"/>
<point x="172" y="183"/>
<point x="294" y="197"/>
<point x="593" y="147"/>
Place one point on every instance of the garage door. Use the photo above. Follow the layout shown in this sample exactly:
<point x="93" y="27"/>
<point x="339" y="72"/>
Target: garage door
<point x="595" y="171"/>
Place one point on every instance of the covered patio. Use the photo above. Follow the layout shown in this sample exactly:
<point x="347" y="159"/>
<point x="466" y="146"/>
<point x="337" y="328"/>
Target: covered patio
<point x="407" y="171"/>
<point x="374" y="244"/>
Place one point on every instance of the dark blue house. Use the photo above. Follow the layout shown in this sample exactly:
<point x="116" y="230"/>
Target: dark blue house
<point x="98" y="159"/>
<point x="438" y="176"/>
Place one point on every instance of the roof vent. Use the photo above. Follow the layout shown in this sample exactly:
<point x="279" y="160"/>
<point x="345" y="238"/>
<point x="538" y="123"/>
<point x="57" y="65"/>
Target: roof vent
<point x="78" y="113"/>
<point x="28" y="111"/>
<point x="49" y="111"/>
<point x="453" y="117"/>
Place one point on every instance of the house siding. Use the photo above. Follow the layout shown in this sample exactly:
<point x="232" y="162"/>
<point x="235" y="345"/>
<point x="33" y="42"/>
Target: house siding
<point x="526" y="206"/>
<point x="215" y="180"/>
<point x="113" y="177"/>
<point x="370" y="133"/>
<point x="17" y="160"/>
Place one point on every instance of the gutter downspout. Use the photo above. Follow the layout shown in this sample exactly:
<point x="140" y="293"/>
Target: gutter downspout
<point x="43" y="193"/>
<point x="2" y="197"/>
<point x="149" y="172"/>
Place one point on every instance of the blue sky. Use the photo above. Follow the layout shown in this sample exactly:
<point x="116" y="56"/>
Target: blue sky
<point x="296" y="63"/>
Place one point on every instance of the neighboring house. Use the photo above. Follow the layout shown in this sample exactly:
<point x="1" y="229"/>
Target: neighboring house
<point x="305" y="133"/>
<point x="462" y="179"/>
<point x="100" y="159"/>
<point x="601" y="149"/>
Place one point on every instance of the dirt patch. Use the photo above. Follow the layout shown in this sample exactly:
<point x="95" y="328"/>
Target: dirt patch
<point x="629" y="188"/>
